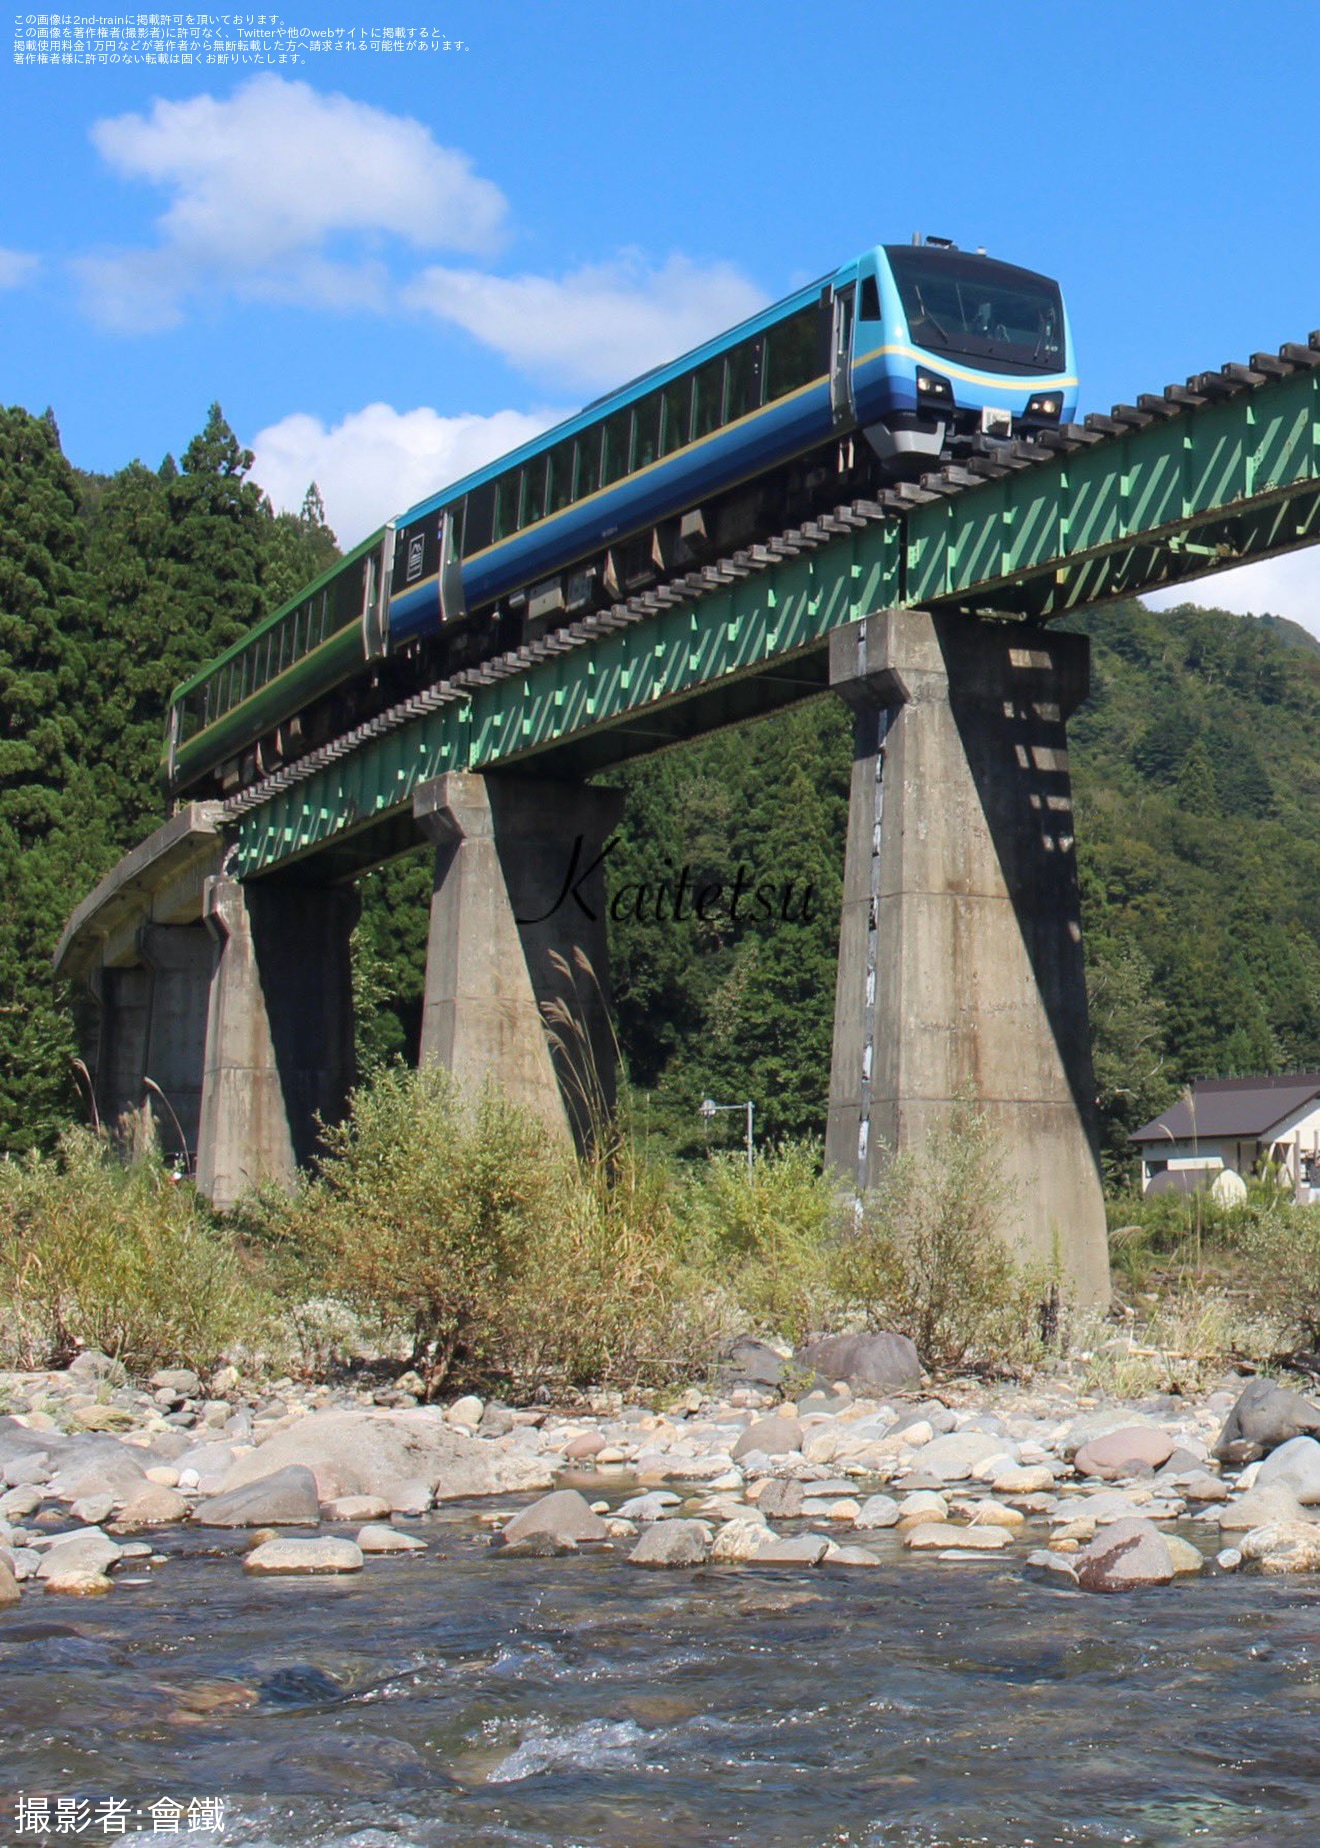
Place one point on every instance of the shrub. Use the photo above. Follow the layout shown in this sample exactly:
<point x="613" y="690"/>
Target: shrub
<point x="768" y="1236"/>
<point x="925" y="1258"/>
<point x="98" y="1253"/>
<point x="1282" y="1276"/>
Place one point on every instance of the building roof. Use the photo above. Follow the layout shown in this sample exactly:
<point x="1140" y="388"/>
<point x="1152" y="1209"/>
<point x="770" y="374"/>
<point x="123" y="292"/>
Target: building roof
<point x="1232" y="1107"/>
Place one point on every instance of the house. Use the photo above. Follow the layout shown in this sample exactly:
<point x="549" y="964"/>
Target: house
<point x="1235" y="1123"/>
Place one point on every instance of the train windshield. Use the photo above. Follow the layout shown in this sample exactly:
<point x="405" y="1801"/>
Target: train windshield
<point x="1009" y="319"/>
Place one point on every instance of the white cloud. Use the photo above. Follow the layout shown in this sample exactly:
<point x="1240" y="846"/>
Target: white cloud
<point x="16" y="267"/>
<point x="262" y="182"/>
<point x="596" y="327"/>
<point x="1285" y="586"/>
<point x="378" y="461"/>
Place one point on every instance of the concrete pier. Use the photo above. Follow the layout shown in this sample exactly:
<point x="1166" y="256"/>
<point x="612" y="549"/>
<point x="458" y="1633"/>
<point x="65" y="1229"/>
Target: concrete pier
<point x="279" y="1028"/>
<point x="960" y="954"/>
<point x="517" y="963"/>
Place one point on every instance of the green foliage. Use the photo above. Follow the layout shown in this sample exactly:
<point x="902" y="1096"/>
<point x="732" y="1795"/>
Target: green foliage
<point x="926" y="1259"/>
<point x="1282" y="1249"/>
<point x="769" y="1236"/>
<point x="96" y="1253"/>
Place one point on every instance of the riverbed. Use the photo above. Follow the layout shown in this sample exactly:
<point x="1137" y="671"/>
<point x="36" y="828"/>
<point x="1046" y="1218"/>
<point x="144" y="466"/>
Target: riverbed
<point x="455" y="1697"/>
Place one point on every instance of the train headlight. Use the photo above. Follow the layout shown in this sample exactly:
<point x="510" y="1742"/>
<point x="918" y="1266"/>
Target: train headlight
<point x="933" y="388"/>
<point x="1045" y="404"/>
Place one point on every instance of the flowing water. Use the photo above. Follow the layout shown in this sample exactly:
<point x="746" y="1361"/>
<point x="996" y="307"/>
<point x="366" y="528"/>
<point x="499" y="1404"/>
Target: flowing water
<point x="459" y="1699"/>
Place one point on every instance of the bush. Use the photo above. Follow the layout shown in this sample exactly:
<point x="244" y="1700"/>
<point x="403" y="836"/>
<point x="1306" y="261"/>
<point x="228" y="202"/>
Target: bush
<point x="1282" y="1276"/>
<point x="768" y="1236"/>
<point x="97" y="1253"/>
<point x="925" y="1258"/>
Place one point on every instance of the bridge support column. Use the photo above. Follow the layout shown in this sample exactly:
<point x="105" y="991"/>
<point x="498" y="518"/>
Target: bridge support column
<point x="960" y="952"/>
<point x="518" y="903"/>
<point x="279" y="1028"/>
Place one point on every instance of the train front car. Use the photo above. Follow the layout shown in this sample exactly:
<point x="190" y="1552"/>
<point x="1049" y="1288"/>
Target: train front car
<point x="956" y="351"/>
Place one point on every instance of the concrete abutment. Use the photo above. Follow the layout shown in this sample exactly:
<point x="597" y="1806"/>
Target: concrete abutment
<point x="960" y="968"/>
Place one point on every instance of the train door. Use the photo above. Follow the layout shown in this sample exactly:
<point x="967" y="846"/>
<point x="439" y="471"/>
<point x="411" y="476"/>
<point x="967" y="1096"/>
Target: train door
<point x="376" y="597"/>
<point x="842" y="406"/>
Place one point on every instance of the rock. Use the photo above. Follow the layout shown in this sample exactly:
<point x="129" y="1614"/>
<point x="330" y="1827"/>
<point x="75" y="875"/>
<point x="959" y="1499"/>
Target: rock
<point x="19" y="1502"/>
<point x="373" y="1538"/>
<point x="179" y="1380"/>
<point x="275" y="1558"/>
<point x="801" y="1550"/>
<point x="356" y="1508"/>
<point x="77" y="1582"/>
<point x="927" y="1536"/>
<point x="564" y="1516"/>
<point x="1200" y="1486"/>
<point x="1058" y="1565"/>
<point x="1264" y="1417"/>
<point x="105" y="1418"/>
<point x="88" y="1550"/>
<point x="536" y="1546"/>
<point x="1297" y="1464"/>
<point x="1123" y="1452"/>
<point x="1186" y="1557"/>
<point x="673" y="1543"/>
<point x="371" y="1452"/>
<point x="579" y="1449"/>
<point x="9" y="1592"/>
<point x="96" y="1466"/>
<point x="776" y="1436"/>
<point x="923" y="1505"/>
<point x="1032" y="1479"/>
<point x="1124" y="1557"/>
<point x="754" y="1361"/>
<point x="25" y="1471"/>
<point x="1284" y="1546"/>
<point x="851" y="1556"/>
<point x="740" y="1539"/>
<point x="884" y="1361"/>
<point x="992" y="1514"/>
<point x="781" y="1501"/>
<point x="466" y="1412"/>
<point x="285" y="1498"/>
<point x="92" y="1364"/>
<point x="1229" y="1558"/>
<point x="877" y="1511"/>
<point x="154" y="1506"/>
<point x="1261" y="1508"/>
<point x="653" y="1506"/>
<point x="952" y="1458"/>
<point x="93" y="1509"/>
<point x="412" y="1497"/>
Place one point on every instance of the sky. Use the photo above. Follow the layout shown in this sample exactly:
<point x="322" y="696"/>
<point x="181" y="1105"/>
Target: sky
<point x="389" y="267"/>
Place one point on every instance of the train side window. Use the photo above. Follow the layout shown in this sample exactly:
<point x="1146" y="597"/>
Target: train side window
<point x="742" y="380"/>
<point x="707" y="398"/>
<point x="560" y="462"/>
<point x="677" y="402"/>
<point x="646" y="431"/>
<point x="508" y="490"/>
<point x="588" y="462"/>
<point x="792" y="353"/>
<point x="533" y="507"/>
<point x="478" y="522"/>
<point x="614" y="457"/>
<point x="869" y="308"/>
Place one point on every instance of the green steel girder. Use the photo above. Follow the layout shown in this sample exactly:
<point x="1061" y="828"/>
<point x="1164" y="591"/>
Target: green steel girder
<point x="1216" y="485"/>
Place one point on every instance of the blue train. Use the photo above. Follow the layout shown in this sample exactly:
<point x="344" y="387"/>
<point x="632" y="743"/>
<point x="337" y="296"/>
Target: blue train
<point x="902" y="359"/>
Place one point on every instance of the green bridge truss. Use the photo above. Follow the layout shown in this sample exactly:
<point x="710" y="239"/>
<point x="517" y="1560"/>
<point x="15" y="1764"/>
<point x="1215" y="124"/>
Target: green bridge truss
<point x="1215" y="473"/>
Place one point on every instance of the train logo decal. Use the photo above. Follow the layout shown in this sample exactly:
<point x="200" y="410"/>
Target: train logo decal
<point x="416" y="548"/>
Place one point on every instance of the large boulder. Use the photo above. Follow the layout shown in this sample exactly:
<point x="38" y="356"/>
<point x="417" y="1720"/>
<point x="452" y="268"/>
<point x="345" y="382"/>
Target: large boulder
<point x="1124" y="1452"/>
<point x="1297" y="1465"/>
<point x="1124" y="1557"/>
<point x="881" y="1362"/>
<point x="1264" y="1417"/>
<point x="1284" y="1546"/>
<point x="372" y="1453"/>
<point x="285" y="1498"/>
<point x="564" y="1518"/>
<point x="776" y="1436"/>
<point x="673" y="1543"/>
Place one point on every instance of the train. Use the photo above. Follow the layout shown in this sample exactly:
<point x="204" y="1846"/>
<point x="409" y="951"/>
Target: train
<point x="900" y="360"/>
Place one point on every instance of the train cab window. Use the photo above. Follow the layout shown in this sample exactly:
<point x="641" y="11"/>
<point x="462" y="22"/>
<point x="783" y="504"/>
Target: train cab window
<point x="792" y="353"/>
<point x="742" y="380"/>
<point x="646" y="432"/>
<point x="707" y="398"/>
<point x="869" y="308"/>
<point x="676" y="400"/>
<point x="588" y="463"/>
<point x="617" y="432"/>
<point x="560" y="464"/>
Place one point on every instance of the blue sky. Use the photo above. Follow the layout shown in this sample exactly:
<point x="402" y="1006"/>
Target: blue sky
<point x="388" y="268"/>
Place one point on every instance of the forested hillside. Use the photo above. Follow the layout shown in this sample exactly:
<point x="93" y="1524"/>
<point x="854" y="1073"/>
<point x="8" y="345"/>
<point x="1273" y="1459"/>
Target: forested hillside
<point x="1196" y="773"/>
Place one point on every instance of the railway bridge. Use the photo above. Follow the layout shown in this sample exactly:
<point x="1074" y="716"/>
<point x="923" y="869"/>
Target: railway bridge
<point x="217" y="953"/>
